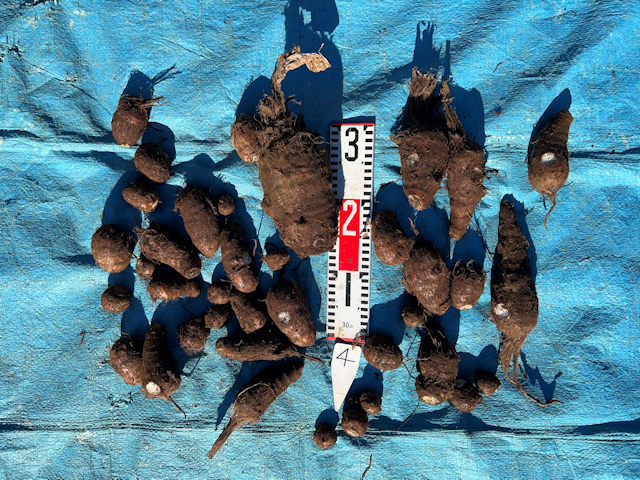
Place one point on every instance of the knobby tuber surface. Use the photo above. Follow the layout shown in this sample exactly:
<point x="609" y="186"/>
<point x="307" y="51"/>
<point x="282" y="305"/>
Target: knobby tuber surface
<point x="265" y="344"/>
<point x="487" y="382"/>
<point x="276" y="259"/>
<point x="153" y="162"/>
<point x="355" y="422"/>
<point x="437" y="364"/>
<point x="467" y="285"/>
<point x="193" y="335"/>
<point x="382" y="353"/>
<point x="115" y="299"/>
<point x="130" y="119"/>
<point x="294" y="169"/>
<point x="465" y="396"/>
<point x="162" y="245"/>
<point x="244" y="137"/>
<point x="290" y="312"/>
<point x="325" y="436"/>
<point x="250" y="310"/>
<point x="219" y="292"/>
<point x="427" y="277"/>
<point x="112" y="248"/>
<point x="237" y="259"/>
<point x="256" y="396"/>
<point x="142" y="195"/>
<point x="125" y="357"/>
<point x="549" y="157"/>
<point x="391" y="244"/>
<point x="200" y="218"/>
<point x="371" y="402"/>
<point x="217" y="316"/>
<point x="167" y="286"/>
<point x="514" y="302"/>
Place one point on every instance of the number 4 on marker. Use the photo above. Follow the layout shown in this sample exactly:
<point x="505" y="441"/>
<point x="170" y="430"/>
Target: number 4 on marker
<point x="344" y="366"/>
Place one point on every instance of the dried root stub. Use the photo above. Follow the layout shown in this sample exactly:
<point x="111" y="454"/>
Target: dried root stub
<point x="244" y="137"/>
<point x="160" y="374"/>
<point x="487" y="382"/>
<point x="382" y="353"/>
<point x="115" y="299"/>
<point x="467" y="285"/>
<point x="256" y="396"/>
<point x="371" y="402"/>
<point x="162" y="245"/>
<point x="422" y="144"/>
<point x="465" y="170"/>
<point x="391" y="244"/>
<point x="465" y="396"/>
<point x="125" y="357"/>
<point x="250" y="310"/>
<point x="200" y="218"/>
<point x="145" y="267"/>
<point x="290" y="312"/>
<point x="294" y="169"/>
<point x="549" y="157"/>
<point x="168" y="286"/>
<point x="112" y="248"/>
<point x="276" y="259"/>
<point x="153" y="162"/>
<point x="325" y="436"/>
<point x="437" y="364"/>
<point x="265" y="344"/>
<point x="514" y="302"/>
<point x="217" y="316"/>
<point x="219" y="292"/>
<point x="130" y="119"/>
<point x="413" y="314"/>
<point x="237" y="259"/>
<point x="142" y="195"/>
<point x="193" y="335"/>
<point x="427" y="276"/>
<point x="355" y="422"/>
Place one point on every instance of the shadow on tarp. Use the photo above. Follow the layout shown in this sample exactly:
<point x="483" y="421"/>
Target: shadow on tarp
<point x="486" y="360"/>
<point x="534" y="377"/>
<point x="469" y="247"/>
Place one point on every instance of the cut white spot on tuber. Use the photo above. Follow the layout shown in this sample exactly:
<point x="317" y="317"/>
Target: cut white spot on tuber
<point x="284" y="317"/>
<point x="548" y="158"/>
<point x="413" y="160"/>
<point x="501" y="311"/>
<point x="153" y="388"/>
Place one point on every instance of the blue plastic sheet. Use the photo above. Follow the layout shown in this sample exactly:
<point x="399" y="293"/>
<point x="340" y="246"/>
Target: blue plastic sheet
<point x="64" y="64"/>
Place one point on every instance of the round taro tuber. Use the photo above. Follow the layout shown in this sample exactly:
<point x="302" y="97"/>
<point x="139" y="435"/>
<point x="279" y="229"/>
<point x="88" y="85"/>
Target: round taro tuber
<point x="465" y="396"/>
<point x="250" y="310"/>
<point x="145" y="267"/>
<point x="162" y="245"/>
<point x="325" y="436"/>
<point x="244" y="137"/>
<point x="237" y="259"/>
<point x="355" y="422"/>
<point x="125" y="357"/>
<point x="217" y="316"/>
<point x="487" y="382"/>
<point x="153" y="162"/>
<point x="167" y="286"/>
<point x="549" y="157"/>
<point x="391" y="244"/>
<point x="276" y="259"/>
<point x="467" y="285"/>
<point x="115" y="299"/>
<point x="382" y="353"/>
<point x="290" y="312"/>
<point x="200" y="218"/>
<point x="112" y="248"/>
<point x="193" y="335"/>
<point x="219" y="292"/>
<point x="427" y="277"/>
<point x="371" y="402"/>
<point x="294" y="169"/>
<point x="142" y="195"/>
<point x="413" y="314"/>
<point x="226" y="204"/>
<point x="130" y="119"/>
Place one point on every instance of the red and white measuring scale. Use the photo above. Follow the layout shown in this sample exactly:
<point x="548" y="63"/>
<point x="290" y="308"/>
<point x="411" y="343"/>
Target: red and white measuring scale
<point x="348" y="284"/>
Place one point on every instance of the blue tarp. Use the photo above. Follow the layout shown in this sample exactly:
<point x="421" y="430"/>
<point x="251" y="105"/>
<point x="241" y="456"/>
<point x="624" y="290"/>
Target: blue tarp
<point x="64" y="64"/>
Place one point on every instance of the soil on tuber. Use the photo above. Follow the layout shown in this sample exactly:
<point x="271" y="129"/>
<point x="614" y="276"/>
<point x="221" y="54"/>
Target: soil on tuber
<point x="427" y="276"/>
<point x="200" y="218"/>
<point x="355" y="422"/>
<point x="382" y="353"/>
<point x="371" y="402"/>
<point x="145" y="267"/>
<point x="125" y="357"/>
<point x="413" y="314"/>
<point x="325" y="436"/>
<point x="276" y="259"/>
<point x="193" y="335"/>
<point x="153" y="162"/>
<point x="237" y="259"/>
<point x="391" y="244"/>
<point x="244" y="137"/>
<point x="226" y="204"/>
<point x="219" y="292"/>
<point x="168" y="286"/>
<point x="115" y="299"/>
<point x="217" y="316"/>
<point x="112" y="248"/>
<point x="142" y="194"/>
<point x="250" y="310"/>
<point x="467" y="284"/>
<point x="162" y="245"/>
<point x="131" y="118"/>
<point x="487" y="382"/>
<point x="465" y="396"/>
<point x="290" y="312"/>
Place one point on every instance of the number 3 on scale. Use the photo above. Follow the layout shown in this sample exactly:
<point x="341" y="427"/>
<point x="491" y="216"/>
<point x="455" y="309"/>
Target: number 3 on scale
<point x="352" y="143"/>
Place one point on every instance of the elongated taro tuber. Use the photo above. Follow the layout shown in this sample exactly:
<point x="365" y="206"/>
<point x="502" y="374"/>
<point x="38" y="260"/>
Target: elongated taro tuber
<point x="438" y="365"/>
<point x="256" y="396"/>
<point x="167" y="286"/>
<point x="382" y="353"/>
<point x="162" y="245"/>
<point x="487" y="382"/>
<point x="237" y="259"/>
<point x="391" y="244"/>
<point x="112" y="248"/>
<point x="465" y="396"/>
<point x="153" y="162"/>
<point x="294" y="169"/>
<point x="325" y="436"/>
<point x="467" y="285"/>
<point x="250" y="310"/>
<point x="427" y="277"/>
<point x="125" y="357"/>
<point x="217" y="316"/>
<point x="130" y="119"/>
<point x="200" y="218"/>
<point x="549" y="157"/>
<point x="115" y="299"/>
<point x="514" y="302"/>
<point x="290" y="312"/>
<point x="193" y="335"/>
<point x="244" y="137"/>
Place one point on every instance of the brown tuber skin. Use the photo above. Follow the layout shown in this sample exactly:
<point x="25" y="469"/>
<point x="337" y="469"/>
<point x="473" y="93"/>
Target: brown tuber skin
<point x="193" y="335"/>
<point x="130" y="119"/>
<point x="467" y="285"/>
<point x="276" y="259"/>
<point x="217" y="316"/>
<point x="167" y="286"/>
<point x="465" y="396"/>
<point x="250" y="310"/>
<point x="413" y="314"/>
<point x="142" y="195"/>
<point x="438" y="365"/>
<point x="325" y="436"/>
<point x="153" y="162"/>
<point x="162" y="245"/>
<point x="391" y="244"/>
<point x="145" y="267"/>
<point x="427" y="277"/>
<point x="125" y="358"/>
<point x="355" y="422"/>
<point x="226" y="204"/>
<point x="549" y="157"/>
<point x="371" y="402"/>
<point x="294" y="169"/>
<point x="256" y="396"/>
<point x="112" y="248"/>
<point x="200" y="218"/>
<point x="219" y="292"/>
<point x="487" y="382"/>
<point x="382" y="353"/>
<point x="290" y="312"/>
<point x="244" y="137"/>
<point x="115" y="299"/>
<point x="237" y="259"/>
<point x="514" y="302"/>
